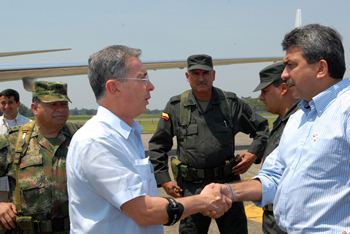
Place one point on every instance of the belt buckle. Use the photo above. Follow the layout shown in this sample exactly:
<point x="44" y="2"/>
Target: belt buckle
<point x="38" y="224"/>
<point x="209" y="173"/>
<point x="194" y="173"/>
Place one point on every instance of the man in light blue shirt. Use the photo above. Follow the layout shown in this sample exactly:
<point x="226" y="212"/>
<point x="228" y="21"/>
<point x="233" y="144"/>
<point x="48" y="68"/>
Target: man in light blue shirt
<point x="111" y="184"/>
<point x="307" y="177"/>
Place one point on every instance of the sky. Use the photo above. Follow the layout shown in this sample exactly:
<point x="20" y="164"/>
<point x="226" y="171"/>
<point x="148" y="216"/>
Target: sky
<point x="163" y="30"/>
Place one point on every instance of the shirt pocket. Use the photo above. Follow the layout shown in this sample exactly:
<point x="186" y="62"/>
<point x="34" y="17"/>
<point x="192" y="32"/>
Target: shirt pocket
<point x="222" y="130"/>
<point x="324" y="158"/>
<point x="28" y="161"/>
<point x="146" y="174"/>
<point x="32" y="181"/>
<point x="31" y="172"/>
<point x="191" y="136"/>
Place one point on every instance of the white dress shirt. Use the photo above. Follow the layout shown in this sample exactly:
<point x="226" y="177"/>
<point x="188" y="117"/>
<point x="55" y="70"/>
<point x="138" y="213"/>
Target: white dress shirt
<point x="106" y="167"/>
<point x="307" y="177"/>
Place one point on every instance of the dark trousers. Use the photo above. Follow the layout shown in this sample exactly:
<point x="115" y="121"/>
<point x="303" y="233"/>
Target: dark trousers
<point x="269" y="225"/>
<point x="233" y="221"/>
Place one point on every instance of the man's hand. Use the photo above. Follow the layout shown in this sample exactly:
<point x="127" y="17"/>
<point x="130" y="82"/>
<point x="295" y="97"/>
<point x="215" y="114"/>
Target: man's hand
<point x="8" y="215"/>
<point x="247" y="160"/>
<point x="221" y="200"/>
<point x="344" y="232"/>
<point x="172" y="189"/>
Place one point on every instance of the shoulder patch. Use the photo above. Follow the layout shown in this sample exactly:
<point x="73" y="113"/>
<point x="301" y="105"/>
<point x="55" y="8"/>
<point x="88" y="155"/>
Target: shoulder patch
<point x="165" y="116"/>
<point x="231" y="95"/>
<point x="175" y="98"/>
<point x="14" y="128"/>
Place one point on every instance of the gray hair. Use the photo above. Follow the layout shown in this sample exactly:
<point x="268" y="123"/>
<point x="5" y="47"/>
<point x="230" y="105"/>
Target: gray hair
<point x="319" y="42"/>
<point x="109" y="63"/>
<point x="36" y="101"/>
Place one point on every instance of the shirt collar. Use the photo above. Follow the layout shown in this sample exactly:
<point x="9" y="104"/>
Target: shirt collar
<point x="117" y="124"/>
<point x="16" y="119"/>
<point x="321" y="101"/>
<point x="291" y="111"/>
<point x="191" y="100"/>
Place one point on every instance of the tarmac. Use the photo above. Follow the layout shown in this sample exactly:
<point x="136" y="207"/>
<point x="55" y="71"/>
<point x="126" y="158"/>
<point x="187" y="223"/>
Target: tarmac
<point x="254" y="214"/>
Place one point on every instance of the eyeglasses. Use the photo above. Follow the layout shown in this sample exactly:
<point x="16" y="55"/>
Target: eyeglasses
<point x="146" y="79"/>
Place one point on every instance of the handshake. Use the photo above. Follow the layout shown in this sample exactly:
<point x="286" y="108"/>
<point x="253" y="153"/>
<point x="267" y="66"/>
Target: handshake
<point x="217" y="198"/>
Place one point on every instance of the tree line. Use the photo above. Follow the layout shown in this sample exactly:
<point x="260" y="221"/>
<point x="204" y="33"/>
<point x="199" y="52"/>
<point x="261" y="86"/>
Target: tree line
<point x="254" y="103"/>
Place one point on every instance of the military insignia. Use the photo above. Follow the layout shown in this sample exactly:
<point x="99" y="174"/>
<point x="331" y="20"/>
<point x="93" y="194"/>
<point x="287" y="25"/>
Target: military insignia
<point x="165" y="116"/>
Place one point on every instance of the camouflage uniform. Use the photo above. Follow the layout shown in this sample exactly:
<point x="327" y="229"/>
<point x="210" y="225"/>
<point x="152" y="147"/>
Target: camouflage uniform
<point x="42" y="170"/>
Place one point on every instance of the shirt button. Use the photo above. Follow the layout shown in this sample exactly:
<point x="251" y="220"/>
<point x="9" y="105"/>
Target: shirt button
<point x="282" y="217"/>
<point x="283" y="192"/>
<point x="310" y="119"/>
<point x="293" y="168"/>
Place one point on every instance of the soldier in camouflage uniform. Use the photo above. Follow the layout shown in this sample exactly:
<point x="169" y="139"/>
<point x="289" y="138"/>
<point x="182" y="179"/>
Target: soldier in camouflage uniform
<point x="42" y="169"/>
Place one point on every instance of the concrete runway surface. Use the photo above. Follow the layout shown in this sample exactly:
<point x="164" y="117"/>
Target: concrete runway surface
<point x="254" y="214"/>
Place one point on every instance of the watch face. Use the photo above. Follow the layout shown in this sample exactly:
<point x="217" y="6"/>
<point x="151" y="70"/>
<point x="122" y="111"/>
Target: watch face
<point x="172" y="202"/>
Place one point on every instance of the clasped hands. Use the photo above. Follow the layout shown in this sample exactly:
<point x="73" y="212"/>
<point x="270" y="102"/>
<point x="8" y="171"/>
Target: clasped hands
<point x="218" y="198"/>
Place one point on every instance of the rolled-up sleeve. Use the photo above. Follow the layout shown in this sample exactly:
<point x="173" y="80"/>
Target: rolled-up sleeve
<point x="270" y="176"/>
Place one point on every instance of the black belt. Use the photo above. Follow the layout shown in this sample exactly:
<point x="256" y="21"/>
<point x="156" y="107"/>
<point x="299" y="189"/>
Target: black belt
<point x="52" y="225"/>
<point x="268" y="207"/>
<point x="206" y="173"/>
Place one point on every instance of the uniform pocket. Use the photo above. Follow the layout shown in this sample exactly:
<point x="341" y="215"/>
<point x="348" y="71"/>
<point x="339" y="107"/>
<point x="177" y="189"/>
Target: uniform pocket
<point x="28" y="161"/>
<point x="222" y="128"/>
<point x="31" y="173"/>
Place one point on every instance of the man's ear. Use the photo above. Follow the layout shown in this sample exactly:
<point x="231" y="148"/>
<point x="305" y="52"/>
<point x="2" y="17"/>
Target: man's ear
<point x="34" y="108"/>
<point x="322" y="69"/>
<point x="284" y="88"/>
<point x="18" y="104"/>
<point x="187" y="76"/>
<point x="113" y="87"/>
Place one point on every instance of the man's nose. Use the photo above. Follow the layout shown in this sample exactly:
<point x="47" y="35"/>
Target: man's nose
<point x="150" y="86"/>
<point x="261" y="97"/>
<point x="285" y="74"/>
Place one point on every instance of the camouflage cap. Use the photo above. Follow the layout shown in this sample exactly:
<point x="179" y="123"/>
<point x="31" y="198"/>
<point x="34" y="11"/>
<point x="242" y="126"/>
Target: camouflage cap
<point x="47" y="91"/>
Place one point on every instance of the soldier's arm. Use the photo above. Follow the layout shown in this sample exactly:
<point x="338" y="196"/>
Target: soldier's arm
<point x="160" y="144"/>
<point x="3" y="155"/>
<point x="7" y="210"/>
<point x="8" y="215"/>
<point x="247" y="159"/>
<point x="256" y="126"/>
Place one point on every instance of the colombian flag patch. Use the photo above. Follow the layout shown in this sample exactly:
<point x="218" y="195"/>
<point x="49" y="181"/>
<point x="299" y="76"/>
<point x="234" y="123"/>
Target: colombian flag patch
<point x="165" y="116"/>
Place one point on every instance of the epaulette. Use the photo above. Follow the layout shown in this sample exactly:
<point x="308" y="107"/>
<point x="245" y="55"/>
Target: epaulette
<point x="14" y="129"/>
<point x="231" y="95"/>
<point x="176" y="98"/>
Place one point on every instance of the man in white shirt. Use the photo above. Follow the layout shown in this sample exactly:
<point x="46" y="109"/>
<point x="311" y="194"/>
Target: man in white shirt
<point x="111" y="184"/>
<point x="9" y="104"/>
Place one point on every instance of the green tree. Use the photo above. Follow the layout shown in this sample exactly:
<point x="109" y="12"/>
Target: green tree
<point x="75" y="111"/>
<point x="254" y="103"/>
<point x="25" y="111"/>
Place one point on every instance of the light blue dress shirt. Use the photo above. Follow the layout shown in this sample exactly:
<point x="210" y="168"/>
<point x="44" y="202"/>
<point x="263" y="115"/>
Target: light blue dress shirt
<point x="106" y="167"/>
<point x="307" y="177"/>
